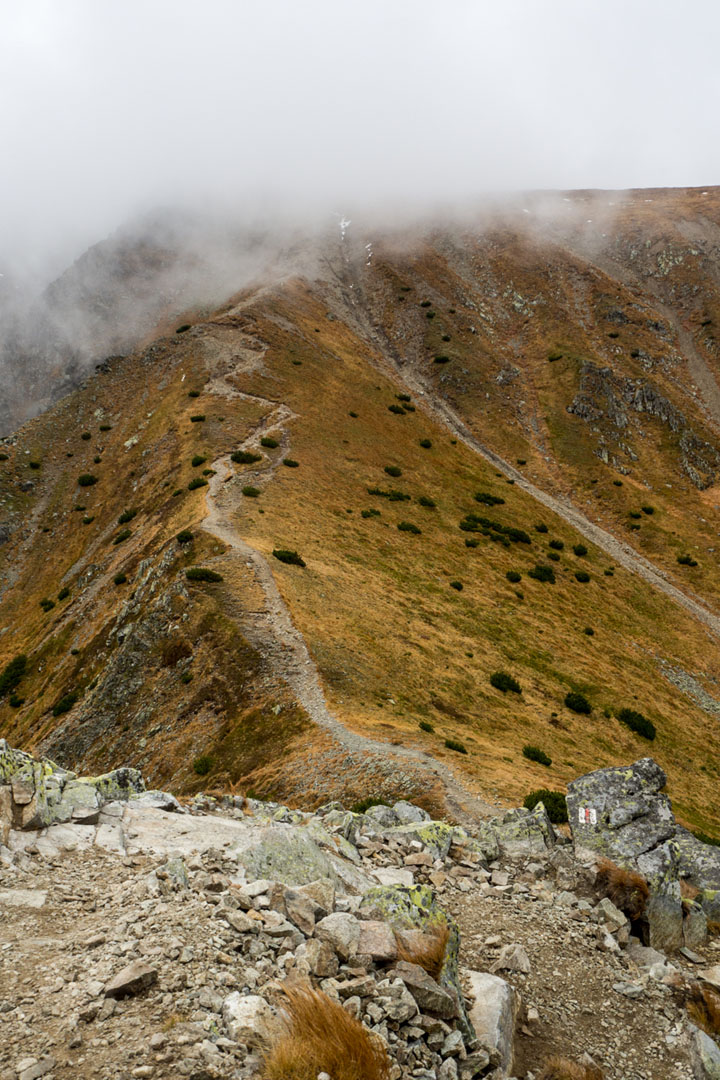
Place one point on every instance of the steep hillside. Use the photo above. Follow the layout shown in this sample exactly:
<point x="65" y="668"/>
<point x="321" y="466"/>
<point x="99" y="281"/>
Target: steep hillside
<point x="431" y="418"/>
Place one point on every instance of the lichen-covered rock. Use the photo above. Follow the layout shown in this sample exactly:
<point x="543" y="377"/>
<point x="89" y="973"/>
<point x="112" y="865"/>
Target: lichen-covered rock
<point x="435" y="836"/>
<point x="705" y="1054"/>
<point x="524" y="832"/>
<point x="493" y="1016"/>
<point x="416" y="908"/>
<point x="409" y="814"/>
<point x="627" y="813"/>
<point x="296" y="858"/>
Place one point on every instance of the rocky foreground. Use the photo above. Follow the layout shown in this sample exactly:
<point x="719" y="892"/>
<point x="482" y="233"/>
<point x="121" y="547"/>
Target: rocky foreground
<point x="142" y="938"/>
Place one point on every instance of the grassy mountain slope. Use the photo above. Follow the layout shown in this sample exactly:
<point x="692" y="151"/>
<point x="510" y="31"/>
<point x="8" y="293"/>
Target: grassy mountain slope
<point x="167" y="671"/>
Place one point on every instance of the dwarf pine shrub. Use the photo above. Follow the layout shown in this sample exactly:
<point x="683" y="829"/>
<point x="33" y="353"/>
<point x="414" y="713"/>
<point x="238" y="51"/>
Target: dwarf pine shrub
<point x="541" y="528"/>
<point x="197" y="482"/>
<point x="198" y="459"/>
<point x="504" y="682"/>
<point x="245" y="457"/>
<point x="407" y="526"/>
<point x="534" y="753"/>
<point x="425" y="443"/>
<point x="12" y="674"/>
<point x="284" y="555"/>
<point x="65" y="703"/>
<point x="425" y="725"/>
<point x="487" y="499"/>
<point x="637" y="723"/>
<point x="64" y="593"/>
<point x="87" y="480"/>
<point x="686" y="560"/>
<point x="458" y="585"/>
<point x="120" y="579"/>
<point x="123" y="535"/>
<point x="513" y="576"/>
<point x="393" y="470"/>
<point x="269" y="442"/>
<point x="47" y="605"/>
<point x="202" y="573"/>
<point x="127" y="515"/>
<point x="197" y="418"/>
<point x="184" y="536"/>
<point x="582" y="575"/>
<point x="553" y="801"/>
<point x="557" y="545"/>
<point x="424" y="500"/>
<point x="202" y="765"/>
<point x="291" y="463"/>
<point x="540" y="572"/>
<point x="456" y="745"/>
<point x="251" y="492"/>
<point x="578" y="703"/>
<point x="580" y="550"/>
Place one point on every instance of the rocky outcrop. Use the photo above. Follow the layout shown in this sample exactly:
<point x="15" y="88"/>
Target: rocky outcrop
<point x="35" y="794"/>
<point x="622" y="814"/>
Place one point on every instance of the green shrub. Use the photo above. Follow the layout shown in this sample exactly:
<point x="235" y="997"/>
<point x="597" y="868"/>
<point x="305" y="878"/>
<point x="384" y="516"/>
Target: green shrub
<point x="127" y="515"/>
<point x="370" y="513"/>
<point x="86" y="436"/>
<point x="582" y="575"/>
<point x="553" y="356"/>
<point x="208" y="472"/>
<point x="47" y="605"/>
<point x="354" y="415"/>
<point x="425" y="725"/>
<point x="393" y="470"/>
<point x="34" y="464"/>
<point x="445" y="337"/>
<point x="502" y="681"/>
<point x="589" y="631"/>
<point x="407" y="526"/>
<point x="198" y="459"/>
<point x="88" y="520"/>
<point x="397" y="409"/>
<point x="197" y="482"/>
<point x="184" y="536"/>
<point x="609" y="572"/>
<point x="12" y="674"/>
<point x="425" y="443"/>
<point x="105" y="427"/>
<point x="251" y="492"/>
<point x="554" y="556"/>
<point x="442" y="359"/>
<point x="15" y="702"/>
<point x="284" y="555"/>
<point x="65" y="703"/>
<point x="245" y="457"/>
<point x="425" y="501"/>
<point x="487" y="499"/>
<point x="4" y="457"/>
<point x="705" y="838"/>
<point x="456" y="585"/>
<point x="648" y="509"/>
<point x="193" y="393"/>
<point x="291" y="463"/>
<point x="365" y="804"/>
<point x="186" y="677"/>
<point x="553" y="801"/>
<point x="197" y="418"/>
<point x="578" y="703"/>
<point x="637" y="723"/>
<point x="557" y="545"/>
<point x="514" y="576"/>
<point x="429" y="314"/>
<point x="123" y="535"/>
<point x="87" y="480"/>
<point x="521" y="461"/>
<point x="471" y="542"/>
<point x="686" y="560"/>
<point x="203" y="764"/>
<point x="97" y="460"/>
<point x="541" y="528"/>
<point x="403" y="397"/>
<point x="425" y="303"/>
<point x="176" y="492"/>
<point x="456" y="745"/>
<point x="183" y="328"/>
<point x="580" y="550"/>
<point x="64" y="593"/>
<point x="635" y="514"/>
<point x="269" y="442"/>
<point x="618" y="483"/>
<point x="504" y="534"/>
<point x="393" y="495"/>
<point x="120" y="579"/>
<point x="534" y="753"/>
<point x="201" y="573"/>
<point x="542" y="573"/>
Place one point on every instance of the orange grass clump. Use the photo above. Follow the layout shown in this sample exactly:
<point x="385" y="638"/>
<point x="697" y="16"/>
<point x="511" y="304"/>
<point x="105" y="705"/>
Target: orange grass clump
<point x="425" y="948"/>
<point x="322" y="1037"/>
<point x="703" y="1006"/>
<point x="560" y="1068"/>
<point x="627" y="889"/>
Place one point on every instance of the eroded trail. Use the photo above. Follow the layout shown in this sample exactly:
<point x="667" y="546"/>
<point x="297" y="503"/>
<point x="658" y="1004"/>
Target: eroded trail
<point x="415" y="382"/>
<point x="272" y="630"/>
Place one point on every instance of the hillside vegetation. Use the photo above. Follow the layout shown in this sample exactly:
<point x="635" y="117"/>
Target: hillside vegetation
<point x="416" y="568"/>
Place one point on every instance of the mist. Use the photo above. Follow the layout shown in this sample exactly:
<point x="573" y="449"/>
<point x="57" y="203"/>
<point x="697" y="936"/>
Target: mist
<point x="276" y="108"/>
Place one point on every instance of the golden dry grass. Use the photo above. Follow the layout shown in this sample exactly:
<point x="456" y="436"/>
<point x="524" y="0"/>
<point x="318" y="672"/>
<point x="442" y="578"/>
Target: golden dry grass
<point x="703" y="1006"/>
<point x="322" y="1037"/>
<point x="425" y="948"/>
<point x="627" y="889"/>
<point x="560" y="1068"/>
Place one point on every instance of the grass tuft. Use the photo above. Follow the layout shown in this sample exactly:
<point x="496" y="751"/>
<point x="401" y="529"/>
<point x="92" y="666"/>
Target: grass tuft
<point x="321" y="1036"/>
<point x="627" y="889"/>
<point x="427" y="948"/>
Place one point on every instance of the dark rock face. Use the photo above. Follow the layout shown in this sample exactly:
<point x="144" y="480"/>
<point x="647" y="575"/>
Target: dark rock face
<point x="604" y="395"/>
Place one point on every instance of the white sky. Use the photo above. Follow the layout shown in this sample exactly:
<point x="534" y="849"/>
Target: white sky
<point x="113" y="106"/>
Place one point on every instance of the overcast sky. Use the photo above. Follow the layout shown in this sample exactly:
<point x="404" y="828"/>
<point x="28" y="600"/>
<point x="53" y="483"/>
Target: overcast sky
<point x="110" y="107"/>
